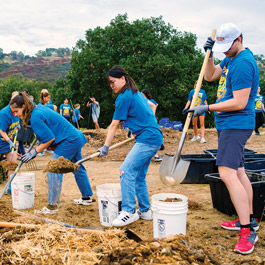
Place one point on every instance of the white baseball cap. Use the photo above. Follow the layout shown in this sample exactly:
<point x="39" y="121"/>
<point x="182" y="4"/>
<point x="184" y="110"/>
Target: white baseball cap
<point x="225" y="37"/>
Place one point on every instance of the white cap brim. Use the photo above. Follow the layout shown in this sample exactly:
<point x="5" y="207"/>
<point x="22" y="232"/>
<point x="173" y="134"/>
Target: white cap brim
<point x="224" y="47"/>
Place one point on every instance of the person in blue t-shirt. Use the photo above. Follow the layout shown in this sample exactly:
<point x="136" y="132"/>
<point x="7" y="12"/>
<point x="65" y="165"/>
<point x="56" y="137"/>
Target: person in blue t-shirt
<point x="201" y="100"/>
<point x="66" y="109"/>
<point x="235" y="120"/>
<point x="53" y="130"/>
<point x="9" y="125"/>
<point x="95" y="111"/>
<point x="77" y="115"/>
<point x="132" y="107"/>
<point x="45" y="100"/>
<point x="259" y="108"/>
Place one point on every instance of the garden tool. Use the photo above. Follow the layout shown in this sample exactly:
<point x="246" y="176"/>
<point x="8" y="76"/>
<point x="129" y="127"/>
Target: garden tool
<point x="14" y="142"/>
<point x="15" y="172"/>
<point x="31" y="165"/>
<point x="173" y="168"/>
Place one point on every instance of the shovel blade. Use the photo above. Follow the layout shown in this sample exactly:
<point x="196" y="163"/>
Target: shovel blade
<point x="171" y="174"/>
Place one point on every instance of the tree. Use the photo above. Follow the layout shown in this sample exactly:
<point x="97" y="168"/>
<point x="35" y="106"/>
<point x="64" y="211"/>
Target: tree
<point x="156" y="55"/>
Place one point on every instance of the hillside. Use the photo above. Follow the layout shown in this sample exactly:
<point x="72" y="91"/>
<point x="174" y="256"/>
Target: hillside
<point x="39" y="68"/>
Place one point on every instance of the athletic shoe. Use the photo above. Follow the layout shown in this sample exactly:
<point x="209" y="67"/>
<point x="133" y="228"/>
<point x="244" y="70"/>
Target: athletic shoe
<point x="48" y="151"/>
<point x="46" y="210"/>
<point x="203" y="141"/>
<point x="158" y="159"/>
<point x="195" y="138"/>
<point x="257" y="133"/>
<point x="125" y="218"/>
<point x="235" y="225"/>
<point x="247" y="239"/>
<point x="83" y="202"/>
<point x="145" y="215"/>
<point x="40" y="154"/>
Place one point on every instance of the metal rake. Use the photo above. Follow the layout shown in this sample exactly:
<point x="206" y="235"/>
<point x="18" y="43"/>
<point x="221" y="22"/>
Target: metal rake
<point x="31" y="165"/>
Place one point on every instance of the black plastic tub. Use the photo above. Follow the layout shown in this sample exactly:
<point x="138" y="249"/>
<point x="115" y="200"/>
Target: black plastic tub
<point x="221" y="199"/>
<point x="214" y="151"/>
<point x="254" y="157"/>
<point x="255" y="165"/>
<point x="200" y="165"/>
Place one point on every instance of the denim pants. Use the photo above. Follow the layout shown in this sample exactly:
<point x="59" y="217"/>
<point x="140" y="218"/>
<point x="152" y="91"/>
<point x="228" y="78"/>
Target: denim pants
<point x="55" y="181"/>
<point x="133" y="177"/>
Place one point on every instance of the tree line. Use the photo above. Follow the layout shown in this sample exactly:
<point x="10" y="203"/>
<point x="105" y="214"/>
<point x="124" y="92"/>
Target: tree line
<point x="156" y="55"/>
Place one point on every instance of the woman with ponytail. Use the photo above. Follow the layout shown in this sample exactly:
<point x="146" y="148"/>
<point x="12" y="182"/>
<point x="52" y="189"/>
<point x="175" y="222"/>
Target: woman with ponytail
<point x="55" y="131"/>
<point x="131" y="106"/>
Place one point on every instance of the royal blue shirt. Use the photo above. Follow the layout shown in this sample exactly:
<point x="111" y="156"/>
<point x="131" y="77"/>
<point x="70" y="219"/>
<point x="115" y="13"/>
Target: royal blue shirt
<point x="134" y="109"/>
<point x="200" y="99"/>
<point x="46" y="105"/>
<point x="48" y="124"/>
<point x="238" y="73"/>
<point x="65" y="110"/>
<point x="76" y="115"/>
<point x="8" y="124"/>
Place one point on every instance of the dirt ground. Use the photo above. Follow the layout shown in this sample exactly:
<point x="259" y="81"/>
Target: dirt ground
<point x="203" y="221"/>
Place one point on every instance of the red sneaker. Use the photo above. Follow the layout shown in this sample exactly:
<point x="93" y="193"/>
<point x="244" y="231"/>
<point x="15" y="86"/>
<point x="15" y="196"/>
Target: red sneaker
<point x="246" y="242"/>
<point x="235" y="225"/>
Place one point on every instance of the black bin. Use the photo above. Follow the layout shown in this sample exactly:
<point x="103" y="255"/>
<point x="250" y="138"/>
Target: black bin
<point x="221" y="199"/>
<point x="200" y="165"/>
<point x="25" y="136"/>
<point x="214" y="151"/>
<point x="255" y="165"/>
<point x="254" y="157"/>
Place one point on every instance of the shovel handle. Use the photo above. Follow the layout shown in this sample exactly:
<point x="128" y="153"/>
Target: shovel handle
<point x="114" y="146"/>
<point x="198" y="86"/>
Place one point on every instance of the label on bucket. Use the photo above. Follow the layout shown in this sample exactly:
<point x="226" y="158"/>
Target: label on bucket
<point x="28" y="188"/>
<point x="105" y="213"/>
<point x="161" y="228"/>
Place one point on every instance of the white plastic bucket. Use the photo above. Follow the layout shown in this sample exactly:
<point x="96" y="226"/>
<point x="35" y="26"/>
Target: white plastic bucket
<point x="109" y="202"/>
<point x="169" y="218"/>
<point x="23" y="189"/>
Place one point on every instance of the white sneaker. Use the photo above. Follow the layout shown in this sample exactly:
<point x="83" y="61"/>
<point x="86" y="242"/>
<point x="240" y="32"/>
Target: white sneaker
<point x="83" y="202"/>
<point x="46" y="210"/>
<point x="203" y="141"/>
<point x="48" y="151"/>
<point x="145" y="215"/>
<point x="195" y="138"/>
<point x="125" y="218"/>
<point x="40" y="154"/>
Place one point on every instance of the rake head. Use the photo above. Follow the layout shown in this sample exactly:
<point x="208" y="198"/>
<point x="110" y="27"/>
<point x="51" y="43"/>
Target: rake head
<point x="31" y="165"/>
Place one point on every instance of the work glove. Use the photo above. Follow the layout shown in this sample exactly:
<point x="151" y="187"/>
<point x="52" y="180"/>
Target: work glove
<point x="103" y="150"/>
<point x="208" y="45"/>
<point x="184" y="111"/>
<point x="11" y="144"/>
<point x="199" y="110"/>
<point x="28" y="156"/>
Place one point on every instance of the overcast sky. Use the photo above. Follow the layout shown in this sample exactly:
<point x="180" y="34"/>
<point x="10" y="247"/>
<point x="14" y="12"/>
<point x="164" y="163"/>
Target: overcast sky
<point x="33" y="25"/>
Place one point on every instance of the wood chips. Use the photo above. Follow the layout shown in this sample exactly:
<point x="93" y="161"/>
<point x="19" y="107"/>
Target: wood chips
<point x="60" y="165"/>
<point x="9" y="165"/>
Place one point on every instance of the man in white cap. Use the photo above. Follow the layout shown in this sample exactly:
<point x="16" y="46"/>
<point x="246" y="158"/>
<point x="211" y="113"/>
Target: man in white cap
<point x="235" y="121"/>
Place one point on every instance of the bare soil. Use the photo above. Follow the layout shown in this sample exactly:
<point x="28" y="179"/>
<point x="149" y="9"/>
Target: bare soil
<point x="203" y="221"/>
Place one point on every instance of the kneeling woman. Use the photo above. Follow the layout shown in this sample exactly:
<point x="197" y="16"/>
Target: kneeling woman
<point x="132" y="107"/>
<point x="55" y="131"/>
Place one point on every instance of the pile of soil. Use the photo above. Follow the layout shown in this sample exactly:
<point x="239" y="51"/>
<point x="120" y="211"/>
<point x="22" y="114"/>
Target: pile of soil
<point x="60" y="165"/>
<point x="9" y="165"/>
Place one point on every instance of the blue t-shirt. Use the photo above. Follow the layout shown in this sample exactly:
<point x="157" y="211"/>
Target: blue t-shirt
<point x="8" y="124"/>
<point x="76" y="115"/>
<point x="134" y="109"/>
<point x="200" y="99"/>
<point x="48" y="124"/>
<point x="66" y="110"/>
<point x="259" y="100"/>
<point x="153" y="101"/>
<point x="238" y="73"/>
<point x="47" y="105"/>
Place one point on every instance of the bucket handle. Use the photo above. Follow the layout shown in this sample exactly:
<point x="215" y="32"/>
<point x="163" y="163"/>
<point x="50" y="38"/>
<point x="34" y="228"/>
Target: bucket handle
<point x="110" y="201"/>
<point x="29" y="192"/>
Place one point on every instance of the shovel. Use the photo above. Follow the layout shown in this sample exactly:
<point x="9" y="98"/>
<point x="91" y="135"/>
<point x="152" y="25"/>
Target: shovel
<point x="15" y="172"/>
<point x="173" y="169"/>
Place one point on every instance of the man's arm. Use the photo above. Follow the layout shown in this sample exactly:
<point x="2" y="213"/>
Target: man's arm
<point x="238" y="102"/>
<point x="212" y="72"/>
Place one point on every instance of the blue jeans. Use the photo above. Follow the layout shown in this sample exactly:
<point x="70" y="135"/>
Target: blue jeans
<point x="133" y="177"/>
<point x="55" y="181"/>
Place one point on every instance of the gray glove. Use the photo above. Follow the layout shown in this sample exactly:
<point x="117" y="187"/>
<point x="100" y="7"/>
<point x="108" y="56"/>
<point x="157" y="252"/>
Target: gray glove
<point x="103" y="150"/>
<point x="11" y="144"/>
<point x="184" y="111"/>
<point x="199" y="110"/>
<point x="28" y="156"/>
<point x="208" y="45"/>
